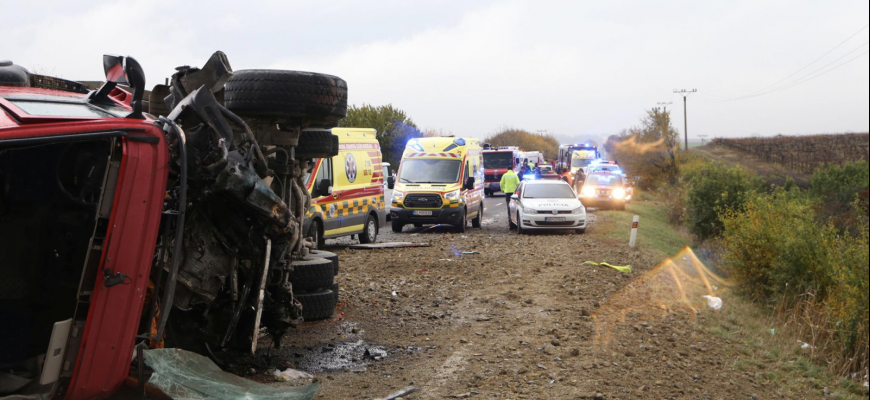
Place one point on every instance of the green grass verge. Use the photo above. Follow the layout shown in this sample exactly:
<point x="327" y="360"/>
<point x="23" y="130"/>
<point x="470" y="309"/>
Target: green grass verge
<point x="654" y="231"/>
<point x="776" y="360"/>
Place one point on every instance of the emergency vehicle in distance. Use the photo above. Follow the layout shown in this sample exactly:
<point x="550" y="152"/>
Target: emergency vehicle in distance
<point x="347" y="190"/>
<point x="497" y="161"/>
<point x="440" y="181"/>
<point x="573" y="158"/>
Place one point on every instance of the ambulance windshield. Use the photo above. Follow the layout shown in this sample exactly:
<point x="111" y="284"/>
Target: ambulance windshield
<point x="430" y="171"/>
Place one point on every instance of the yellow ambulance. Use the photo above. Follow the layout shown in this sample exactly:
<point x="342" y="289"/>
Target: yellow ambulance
<point x="440" y="181"/>
<point x="347" y="190"/>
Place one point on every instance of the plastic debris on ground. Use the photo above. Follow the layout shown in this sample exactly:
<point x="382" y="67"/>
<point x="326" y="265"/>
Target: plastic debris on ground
<point x="290" y="374"/>
<point x="714" y="302"/>
<point x="626" y="269"/>
<point x="805" y="346"/>
<point x="183" y="375"/>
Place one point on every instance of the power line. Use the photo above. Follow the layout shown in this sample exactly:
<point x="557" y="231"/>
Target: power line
<point x="809" y="78"/>
<point x="813" y="62"/>
<point x="803" y="78"/>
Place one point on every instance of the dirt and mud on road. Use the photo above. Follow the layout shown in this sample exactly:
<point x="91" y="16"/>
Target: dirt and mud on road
<point x="522" y="319"/>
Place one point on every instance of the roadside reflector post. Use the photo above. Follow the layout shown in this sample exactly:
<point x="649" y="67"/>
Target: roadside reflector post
<point x="633" y="240"/>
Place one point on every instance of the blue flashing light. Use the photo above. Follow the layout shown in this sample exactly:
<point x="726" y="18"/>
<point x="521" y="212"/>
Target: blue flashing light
<point x="415" y="145"/>
<point x="459" y="142"/>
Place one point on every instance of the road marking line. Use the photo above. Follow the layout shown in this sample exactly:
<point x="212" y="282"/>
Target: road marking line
<point x="498" y="204"/>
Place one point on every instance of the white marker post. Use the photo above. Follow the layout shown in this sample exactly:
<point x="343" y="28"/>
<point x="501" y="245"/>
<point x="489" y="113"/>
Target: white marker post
<point x="633" y="240"/>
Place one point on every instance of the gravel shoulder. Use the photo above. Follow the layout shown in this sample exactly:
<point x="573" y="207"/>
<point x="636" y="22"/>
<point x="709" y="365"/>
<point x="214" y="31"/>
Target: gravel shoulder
<point x="523" y="319"/>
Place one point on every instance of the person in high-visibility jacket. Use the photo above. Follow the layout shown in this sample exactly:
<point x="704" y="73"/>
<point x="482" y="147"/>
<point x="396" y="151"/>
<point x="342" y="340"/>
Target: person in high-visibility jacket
<point x="508" y="185"/>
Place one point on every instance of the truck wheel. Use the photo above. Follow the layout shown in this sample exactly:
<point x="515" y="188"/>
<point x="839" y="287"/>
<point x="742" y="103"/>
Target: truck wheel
<point x="318" y="99"/>
<point x="397" y="226"/>
<point x="336" y="293"/>
<point x="476" y="222"/>
<point x="312" y="274"/>
<point x="317" y="144"/>
<point x="327" y="255"/>
<point x="460" y="228"/>
<point x="314" y="234"/>
<point x="370" y="231"/>
<point x="317" y="306"/>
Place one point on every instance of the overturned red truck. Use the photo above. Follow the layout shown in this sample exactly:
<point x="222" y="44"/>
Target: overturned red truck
<point x="173" y="220"/>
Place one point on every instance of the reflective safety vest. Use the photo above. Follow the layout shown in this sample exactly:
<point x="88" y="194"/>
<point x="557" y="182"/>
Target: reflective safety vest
<point x="509" y="182"/>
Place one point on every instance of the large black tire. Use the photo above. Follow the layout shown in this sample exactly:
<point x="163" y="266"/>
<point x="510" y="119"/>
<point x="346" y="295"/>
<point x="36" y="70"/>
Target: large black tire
<point x="477" y="221"/>
<point x="315" y="233"/>
<point x="312" y="274"/>
<point x="327" y="255"/>
<point x="397" y="226"/>
<point x="318" y="99"/>
<point x="370" y="231"/>
<point x="317" y="306"/>
<point x="336" y="293"/>
<point x="317" y="144"/>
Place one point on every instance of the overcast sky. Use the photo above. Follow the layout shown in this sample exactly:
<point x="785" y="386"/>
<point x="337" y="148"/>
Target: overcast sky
<point x="577" y="69"/>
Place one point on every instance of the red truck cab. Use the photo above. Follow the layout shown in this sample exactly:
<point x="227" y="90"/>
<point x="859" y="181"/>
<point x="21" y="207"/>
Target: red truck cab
<point x="82" y="192"/>
<point x="496" y="162"/>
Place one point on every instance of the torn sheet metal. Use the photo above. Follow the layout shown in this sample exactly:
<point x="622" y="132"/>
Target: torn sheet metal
<point x="184" y="375"/>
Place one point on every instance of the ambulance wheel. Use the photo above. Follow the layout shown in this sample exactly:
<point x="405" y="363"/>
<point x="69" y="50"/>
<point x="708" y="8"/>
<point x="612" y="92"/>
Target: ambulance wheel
<point x="397" y="226"/>
<point x="460" y="228"/>
<point x="370" y="231"/>
<point x="317" y="306"/>
<point x="312" y="274"/>
<point x="317" y="100"/>
<point x="476" y="222"/>
<point x="317" y="144"/>
<point x="314" y="234"/>
<point x="519" y="225"/>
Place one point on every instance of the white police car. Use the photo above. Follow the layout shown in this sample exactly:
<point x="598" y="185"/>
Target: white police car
<point x="546" y="204"/>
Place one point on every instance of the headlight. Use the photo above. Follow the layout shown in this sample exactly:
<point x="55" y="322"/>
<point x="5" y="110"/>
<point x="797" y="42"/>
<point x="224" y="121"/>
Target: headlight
<point x="530" y="211"/>
<point x="398" y="196"/>
<point x="619" y="193"/>
<point x="454" y="195"/>
<point x="588" y="191"/>
<point x="580" y="211"/>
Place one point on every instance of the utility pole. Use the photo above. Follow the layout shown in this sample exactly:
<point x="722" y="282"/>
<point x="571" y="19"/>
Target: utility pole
<point x="685" y="93"/>
<point x="665" y="104"/>
<point x="702" y="139"/>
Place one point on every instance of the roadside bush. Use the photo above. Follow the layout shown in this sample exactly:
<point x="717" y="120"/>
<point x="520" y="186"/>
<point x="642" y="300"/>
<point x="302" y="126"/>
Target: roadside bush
<point x="776" y="250"/>
<point x="713" y="188"/>
<point x="837" y="189"/>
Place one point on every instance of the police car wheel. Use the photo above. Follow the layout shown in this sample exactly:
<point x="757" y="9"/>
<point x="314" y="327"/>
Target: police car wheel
<point x="519" y="225"/>
<point x="511" y="224"/>
<point x="370" y="231"/>
<point x="319" y="100"/>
